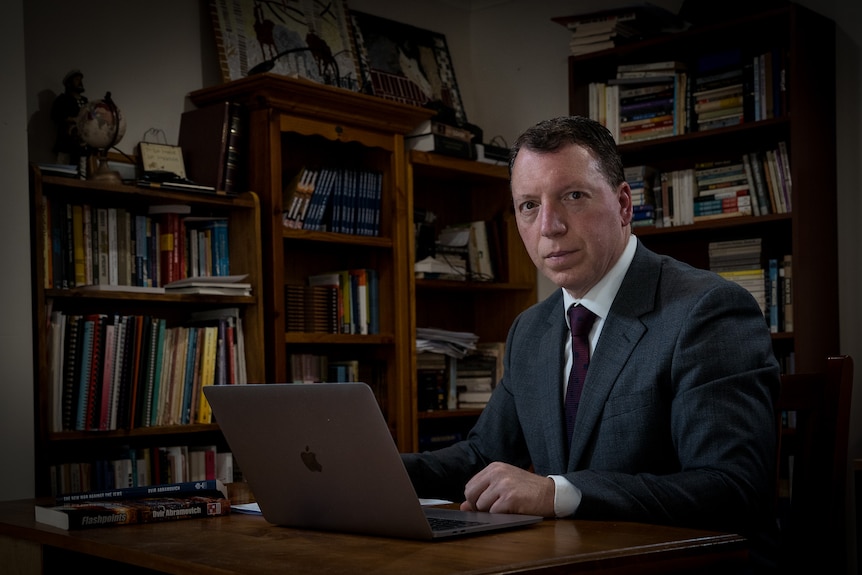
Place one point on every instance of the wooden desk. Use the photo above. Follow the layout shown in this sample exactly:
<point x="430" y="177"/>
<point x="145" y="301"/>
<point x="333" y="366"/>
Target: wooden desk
<point x="244" y="544"/>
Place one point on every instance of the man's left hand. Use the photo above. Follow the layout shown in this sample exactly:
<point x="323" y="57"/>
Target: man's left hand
<point x="504" y="488"/>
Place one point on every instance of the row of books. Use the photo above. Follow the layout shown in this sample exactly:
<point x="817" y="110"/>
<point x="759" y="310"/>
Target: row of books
<point x="138" y="467"/>
<point x="111" y="371"/>
<point x="643" y="102"/>
<point x="132" y="505"/>
<point x="341" y="301"/>
<point x="768" y="279"/>
<point x="668" y="98"/>
<point x="334" y="199"/>
<point x="445" y="382"/>
<point x="91" y="245"/>
<point x="757" y="183"/>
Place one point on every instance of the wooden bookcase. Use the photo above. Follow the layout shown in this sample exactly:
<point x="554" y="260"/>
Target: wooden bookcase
<point x="55" y="447"/>
<point x="295" y="123"/>
<point x="457" y="191"/>
<point x="808" y="232"/>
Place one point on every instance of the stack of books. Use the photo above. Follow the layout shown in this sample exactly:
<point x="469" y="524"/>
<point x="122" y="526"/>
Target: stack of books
<point x="131" y="505"/>
<point x="645" y="207"/>
<point x="741" y="261"/>
<point x="719" y="92"/>
<point x="441" y="138"/>
<point x="723" y="190"/>
<point x="604" y="29"/>
<point x="475" y="379"/>
<point x="651" y="100"/>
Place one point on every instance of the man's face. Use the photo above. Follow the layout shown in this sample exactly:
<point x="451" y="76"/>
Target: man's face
<point x="573" y="223"/>
<point x="76" y="84"/>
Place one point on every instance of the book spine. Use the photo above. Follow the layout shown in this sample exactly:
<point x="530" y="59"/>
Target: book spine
<point x="68" y="250"/>
<point x="57" y="214"/>
<point x="78" y="245"/>
<point x="71" y="362"/>
<point x="233" y="155"/>
<point x="212" y="487"/>
<point x="787" y="267"/>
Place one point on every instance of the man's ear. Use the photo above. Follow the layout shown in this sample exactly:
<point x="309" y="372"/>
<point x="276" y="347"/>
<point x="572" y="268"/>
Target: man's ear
<point x="624" y="195"/>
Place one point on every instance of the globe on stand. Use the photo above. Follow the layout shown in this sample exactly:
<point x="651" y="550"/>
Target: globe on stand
<point x="101" y="125"/>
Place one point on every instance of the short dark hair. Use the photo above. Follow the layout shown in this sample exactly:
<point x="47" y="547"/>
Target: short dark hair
<point x="551" y="135"/>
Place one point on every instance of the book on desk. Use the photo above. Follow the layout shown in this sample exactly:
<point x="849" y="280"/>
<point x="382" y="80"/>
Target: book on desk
<point x="138" y="504"/>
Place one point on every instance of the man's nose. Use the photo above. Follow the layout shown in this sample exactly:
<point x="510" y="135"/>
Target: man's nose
<point x="551" y="219"/>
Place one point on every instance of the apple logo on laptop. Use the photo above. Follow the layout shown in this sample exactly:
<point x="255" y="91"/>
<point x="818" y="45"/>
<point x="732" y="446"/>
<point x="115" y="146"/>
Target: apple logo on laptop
<point x="309" y="458"/>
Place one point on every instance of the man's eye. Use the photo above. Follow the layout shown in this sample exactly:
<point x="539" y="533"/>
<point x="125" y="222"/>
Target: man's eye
<point x="527" y="206"/>
<point x="575" y="195"/>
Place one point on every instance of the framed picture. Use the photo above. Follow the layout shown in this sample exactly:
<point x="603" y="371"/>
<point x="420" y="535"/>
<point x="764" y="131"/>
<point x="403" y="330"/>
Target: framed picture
<point x="310" y="39"/>
<point x="408" y="64"/>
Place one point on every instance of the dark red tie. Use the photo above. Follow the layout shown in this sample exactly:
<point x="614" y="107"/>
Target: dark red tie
<point x="581" y="320"/>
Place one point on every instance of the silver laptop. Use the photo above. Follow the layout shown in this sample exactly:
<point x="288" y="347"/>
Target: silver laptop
<point x="320" y="456"/>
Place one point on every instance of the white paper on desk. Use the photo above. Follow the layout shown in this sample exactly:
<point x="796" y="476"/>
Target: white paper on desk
<point x="427" y="502"/>
<point x="249" y="508"/>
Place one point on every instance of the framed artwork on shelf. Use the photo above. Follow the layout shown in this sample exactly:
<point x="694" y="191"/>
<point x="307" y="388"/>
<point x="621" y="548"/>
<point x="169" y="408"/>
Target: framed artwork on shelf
<point x="297" y="38"/>
<point x="408" y="65"/>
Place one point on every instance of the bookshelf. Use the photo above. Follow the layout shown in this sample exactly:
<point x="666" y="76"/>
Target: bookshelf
<point x="59" y="442"/>
<point x="457" y="191"/>
<point x="807" y="125"/>
<point x="295" y="124"/>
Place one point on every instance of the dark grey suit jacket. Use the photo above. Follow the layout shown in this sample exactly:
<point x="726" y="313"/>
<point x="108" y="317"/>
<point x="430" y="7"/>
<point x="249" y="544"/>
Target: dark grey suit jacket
<point x="676" y="420"/>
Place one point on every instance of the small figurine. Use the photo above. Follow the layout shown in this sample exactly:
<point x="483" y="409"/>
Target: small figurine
<point x="64" y="112"/>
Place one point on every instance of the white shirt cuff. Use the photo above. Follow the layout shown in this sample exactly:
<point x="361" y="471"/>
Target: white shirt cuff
<point x="567" y="497"/>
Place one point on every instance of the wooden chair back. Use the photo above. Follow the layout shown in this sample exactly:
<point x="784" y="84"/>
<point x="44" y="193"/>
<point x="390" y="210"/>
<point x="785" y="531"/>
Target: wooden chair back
<point x="813" y="522"/>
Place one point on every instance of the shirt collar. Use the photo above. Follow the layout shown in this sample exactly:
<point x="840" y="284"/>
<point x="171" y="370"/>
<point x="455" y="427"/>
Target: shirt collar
<point x="600" y="297"/>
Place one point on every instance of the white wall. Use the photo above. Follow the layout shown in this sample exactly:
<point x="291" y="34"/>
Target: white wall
<point x="16" y="351"/>
<point x="510" y="62"/>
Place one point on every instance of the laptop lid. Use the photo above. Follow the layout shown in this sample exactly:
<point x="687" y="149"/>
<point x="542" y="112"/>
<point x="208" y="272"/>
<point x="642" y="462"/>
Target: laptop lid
<point x="321" y="456"/>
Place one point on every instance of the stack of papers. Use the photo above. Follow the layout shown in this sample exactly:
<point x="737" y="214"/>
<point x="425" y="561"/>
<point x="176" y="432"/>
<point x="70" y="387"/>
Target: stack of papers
<point x="452" y="343"/>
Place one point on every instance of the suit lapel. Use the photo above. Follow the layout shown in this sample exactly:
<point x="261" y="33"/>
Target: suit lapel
<point x="621" y="332"/>
<point x="551" y="377"/>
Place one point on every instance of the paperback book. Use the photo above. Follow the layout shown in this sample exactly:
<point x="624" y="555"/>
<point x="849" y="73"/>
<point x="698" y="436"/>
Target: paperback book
<point x="210" y="487"/>
<point x="109" y="512"/>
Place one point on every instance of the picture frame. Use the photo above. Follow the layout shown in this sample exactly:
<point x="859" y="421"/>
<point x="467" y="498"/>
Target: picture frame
<point x="162" y="158"/>
<point x="407" y="64"/>
<point x="309" y="39"/>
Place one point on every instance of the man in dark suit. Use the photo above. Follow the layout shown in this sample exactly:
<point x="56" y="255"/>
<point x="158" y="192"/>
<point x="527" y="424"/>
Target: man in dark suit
<point x="675" y="423"/>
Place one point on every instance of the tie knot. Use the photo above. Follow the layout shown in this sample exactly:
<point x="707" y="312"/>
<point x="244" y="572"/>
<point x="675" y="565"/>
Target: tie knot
<point x="581" y="320"/>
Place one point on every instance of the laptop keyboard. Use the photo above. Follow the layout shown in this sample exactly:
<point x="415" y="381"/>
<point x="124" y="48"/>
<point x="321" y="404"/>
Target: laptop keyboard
<point x="441" y="524"/>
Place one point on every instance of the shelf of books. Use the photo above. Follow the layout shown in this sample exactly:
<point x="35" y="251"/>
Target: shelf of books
<point x="727" y="131"/>
<point x="141" y="298"/>
<point x="471" y="277"/>
<point x="330" y="167"/>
